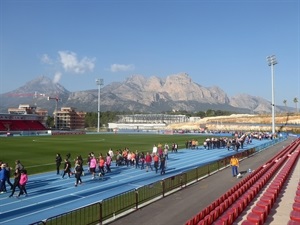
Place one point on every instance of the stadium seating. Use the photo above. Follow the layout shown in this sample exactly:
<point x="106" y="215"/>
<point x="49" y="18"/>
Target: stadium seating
<point x="2" y="127"/>
<point x="21" y="125"/>
<point x="239" y="197"/>
<point x="262" y="208"/>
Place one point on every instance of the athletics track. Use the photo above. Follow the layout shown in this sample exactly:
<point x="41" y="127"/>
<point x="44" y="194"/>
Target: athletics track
<point x="49" y="195"/>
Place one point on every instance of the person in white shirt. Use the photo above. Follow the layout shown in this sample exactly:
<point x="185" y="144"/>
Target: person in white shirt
<point x="111" y="153"/>
<point x="154" y="150"/>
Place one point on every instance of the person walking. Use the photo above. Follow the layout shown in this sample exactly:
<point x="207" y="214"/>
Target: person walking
<point x="108" y="162"/>
<point x="156" y="162"/>
<point x="8" y="169"/>
<point x="19" y="167"/>
<point x="93" y="165"/>
<point x="17" y="176"/>
<point x="176" y="147"/>
<point x="67" y="168"/>
<point x="101" y="166"/>
<point x="58" y="161"/>
<point x="23" y="182"/>
<point x="3" y="177"/>
<point x="148" y="160"/>
<point x="154" y="149"/>
<point x="163" y="165"/>
<point x="80" y="161"/>
<point x="234" y="163"/>
<point x="166" y="151"/>
<point x="228" y="144"/>
<point x="132" y="163"/>
<point x="142" y="160"/>
<point x="78" y="172"/>
<point x="137" y="159"/>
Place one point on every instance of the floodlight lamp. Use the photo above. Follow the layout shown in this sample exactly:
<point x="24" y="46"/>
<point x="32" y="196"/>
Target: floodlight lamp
<point x="99" y="81"/>
<point x="271" y="60"/>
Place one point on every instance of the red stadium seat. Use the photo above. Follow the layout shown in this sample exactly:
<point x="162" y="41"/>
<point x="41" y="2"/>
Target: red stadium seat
<point x="264" y="205"/>
<point x="296" y="206"/>
<point x="268" y="199"/>
<point x="215" y="213"/>
<point x="292" y="222"/>
<point x="273" y="191"/>
<point x="190" y="222"/>
<point x="255" y="218"/>
<point x="247" y="222"/>
<point x="208" y="220"/>
<point x="222" y="208"/>
<point x="297" y="199"/>
<point x="295" y="216"/>
<point x="260" y="211"/>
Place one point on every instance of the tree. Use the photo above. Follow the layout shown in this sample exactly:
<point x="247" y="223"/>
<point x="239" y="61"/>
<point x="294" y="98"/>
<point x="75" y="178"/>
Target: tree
<point x="210" y="112"/>
<point x="91" y="118"/>
<point x="284" y="102"/>
<point x="296" y="103"/>
<point x="50" y="121"/>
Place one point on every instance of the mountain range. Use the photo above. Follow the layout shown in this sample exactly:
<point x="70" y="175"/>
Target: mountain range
<point x="136" y="94"/>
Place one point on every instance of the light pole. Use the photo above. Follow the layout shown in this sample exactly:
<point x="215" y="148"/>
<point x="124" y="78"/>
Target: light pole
<point x="272" y="62"/>
<point x="99" y="82"/>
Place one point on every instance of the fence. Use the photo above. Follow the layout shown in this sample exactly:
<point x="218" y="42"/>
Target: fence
<point x="110" y="208"/>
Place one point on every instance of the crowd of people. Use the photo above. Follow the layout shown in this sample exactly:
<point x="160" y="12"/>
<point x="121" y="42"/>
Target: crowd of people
<point x="20" y="178"/>
<point x="235" y="143"/>
<point x="100" y="165"/>
<point x="149" y="161"/>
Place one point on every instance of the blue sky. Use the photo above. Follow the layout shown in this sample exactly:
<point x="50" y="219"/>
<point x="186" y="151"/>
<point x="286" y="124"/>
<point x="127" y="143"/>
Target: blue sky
<point x="218" y="43"/>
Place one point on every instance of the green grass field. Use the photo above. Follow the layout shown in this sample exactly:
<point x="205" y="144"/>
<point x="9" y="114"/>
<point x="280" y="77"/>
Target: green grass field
<point x="37" y="153"/>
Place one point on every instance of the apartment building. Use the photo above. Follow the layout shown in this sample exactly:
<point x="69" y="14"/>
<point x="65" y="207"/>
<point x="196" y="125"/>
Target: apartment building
<point x="67" y="118"/>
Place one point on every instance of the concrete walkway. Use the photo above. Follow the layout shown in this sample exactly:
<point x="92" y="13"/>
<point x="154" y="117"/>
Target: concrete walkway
<point x="280" y="212"/>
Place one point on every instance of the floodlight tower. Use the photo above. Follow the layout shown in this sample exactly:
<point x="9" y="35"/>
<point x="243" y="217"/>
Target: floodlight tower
<point x="99" y="82"/>
<point x="272" y="62"/>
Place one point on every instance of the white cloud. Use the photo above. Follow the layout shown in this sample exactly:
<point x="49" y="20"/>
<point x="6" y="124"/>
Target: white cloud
<point x="57" y="77"/>
<point x="70" y="62"/>
<point x="119" y="67"/>
<point x="46" y="59"/>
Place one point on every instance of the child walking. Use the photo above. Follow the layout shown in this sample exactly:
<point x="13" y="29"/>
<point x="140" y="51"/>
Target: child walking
<point x="23" y="182"/>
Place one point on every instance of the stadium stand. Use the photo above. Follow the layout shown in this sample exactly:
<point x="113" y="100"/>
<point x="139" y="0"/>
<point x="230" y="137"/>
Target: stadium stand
<point x="21" y="125"/>
<point x="238" y="198"/>
<point x="35" y="125"/>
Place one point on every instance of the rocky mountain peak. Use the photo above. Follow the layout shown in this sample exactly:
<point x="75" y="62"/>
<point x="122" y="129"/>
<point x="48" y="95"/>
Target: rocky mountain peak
<point x="139" y="93"/>
<point x="42" y="84"/>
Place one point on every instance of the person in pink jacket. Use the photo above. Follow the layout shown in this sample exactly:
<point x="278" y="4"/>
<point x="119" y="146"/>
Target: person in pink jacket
<point x="93" y="165"/>
<point x="23" y="182"/>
